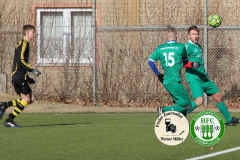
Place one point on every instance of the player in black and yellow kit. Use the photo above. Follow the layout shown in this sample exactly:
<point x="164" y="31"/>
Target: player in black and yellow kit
<point x="20" y="78"/>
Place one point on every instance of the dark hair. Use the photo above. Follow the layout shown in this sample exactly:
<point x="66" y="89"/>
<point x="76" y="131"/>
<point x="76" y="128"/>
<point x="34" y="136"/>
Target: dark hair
<point x="27" y="27"/>
<point x="195" y="28"/>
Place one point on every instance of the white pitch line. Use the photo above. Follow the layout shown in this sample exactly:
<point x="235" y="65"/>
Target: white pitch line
<point x="215" y="154"/>
<point x="86" y="125"/>
<point x="100" y="114"/>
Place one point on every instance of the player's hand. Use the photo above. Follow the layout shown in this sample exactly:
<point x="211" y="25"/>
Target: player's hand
<point x="31" y="81"/>
<point x="160" y="77"/>
<point x="195" y="65"/>
<point x="36" y="72"/>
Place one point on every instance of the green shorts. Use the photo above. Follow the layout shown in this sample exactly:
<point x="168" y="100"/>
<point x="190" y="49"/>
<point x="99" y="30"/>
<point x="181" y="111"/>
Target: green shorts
<point x="197" y="88"/>
<point x="178" y="93"/>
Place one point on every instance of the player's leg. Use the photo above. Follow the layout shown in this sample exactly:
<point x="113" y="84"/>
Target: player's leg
<point x="25" y="92"/>
<point x="180" y="96"/>
<point x="10" y="103"/>
<point x="212" y="89"/>
<point x="5" y="105"/>
<point x="222" y="107"/>
<point x="197" y="94"/>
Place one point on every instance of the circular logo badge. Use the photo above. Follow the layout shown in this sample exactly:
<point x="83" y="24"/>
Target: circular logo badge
<point x="171" y="128"/>
<point x="207" y="128"/>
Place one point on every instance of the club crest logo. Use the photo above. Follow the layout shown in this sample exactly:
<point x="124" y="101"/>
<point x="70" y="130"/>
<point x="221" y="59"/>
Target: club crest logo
<point x="207" y="128"/>
<point x="171" y="128"/>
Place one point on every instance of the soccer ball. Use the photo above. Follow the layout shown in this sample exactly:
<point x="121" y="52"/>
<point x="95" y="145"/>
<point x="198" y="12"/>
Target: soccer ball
<point x="214" y="20"/>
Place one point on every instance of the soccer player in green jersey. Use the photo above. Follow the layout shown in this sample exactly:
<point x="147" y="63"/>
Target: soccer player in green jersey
<point x="172" y="55"/>
<point x="199" y="81"/>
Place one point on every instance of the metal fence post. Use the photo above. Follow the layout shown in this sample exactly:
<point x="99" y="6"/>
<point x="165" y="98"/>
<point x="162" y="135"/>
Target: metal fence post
<point x="205" y="43"/>
<point x="94" y="80"/>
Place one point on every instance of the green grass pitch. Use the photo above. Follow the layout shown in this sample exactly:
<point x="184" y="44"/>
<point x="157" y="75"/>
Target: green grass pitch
<point x="101" y="137"/>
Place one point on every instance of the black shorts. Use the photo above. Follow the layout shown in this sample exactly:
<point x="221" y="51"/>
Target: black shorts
<point x="21" y="86"/>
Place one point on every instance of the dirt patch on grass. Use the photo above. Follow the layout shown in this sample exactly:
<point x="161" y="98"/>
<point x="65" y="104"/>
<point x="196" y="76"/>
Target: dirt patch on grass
<point x="44" y="106"/>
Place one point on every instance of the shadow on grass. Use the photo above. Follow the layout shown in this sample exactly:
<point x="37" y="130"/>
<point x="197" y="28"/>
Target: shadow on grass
<point x="57" y="124"/>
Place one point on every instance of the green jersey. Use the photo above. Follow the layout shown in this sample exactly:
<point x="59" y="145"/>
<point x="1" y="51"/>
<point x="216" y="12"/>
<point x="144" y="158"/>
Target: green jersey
<point x="171" y="56"/>
<point x="195" y="54"/>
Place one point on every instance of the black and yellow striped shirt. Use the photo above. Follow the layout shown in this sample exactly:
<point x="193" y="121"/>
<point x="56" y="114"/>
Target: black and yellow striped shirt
<point x="20" y="61"/>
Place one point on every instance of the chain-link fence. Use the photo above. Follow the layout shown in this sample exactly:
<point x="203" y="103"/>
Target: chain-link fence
<point x="97" y="51"/>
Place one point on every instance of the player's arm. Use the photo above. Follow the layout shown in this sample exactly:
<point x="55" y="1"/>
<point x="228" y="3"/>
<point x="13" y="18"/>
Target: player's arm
<point x="152" y="65"/>
<point x="188" y="64"/>
<point x="22" y="62"/>
<point x="20" y="51"/>
<point x="30" y="80"/>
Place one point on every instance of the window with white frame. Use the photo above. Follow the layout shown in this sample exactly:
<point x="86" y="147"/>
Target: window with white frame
<point x="64" y="36"/>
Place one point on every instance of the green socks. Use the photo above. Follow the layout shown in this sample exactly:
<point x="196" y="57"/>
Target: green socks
<point x="224" y="110"/>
